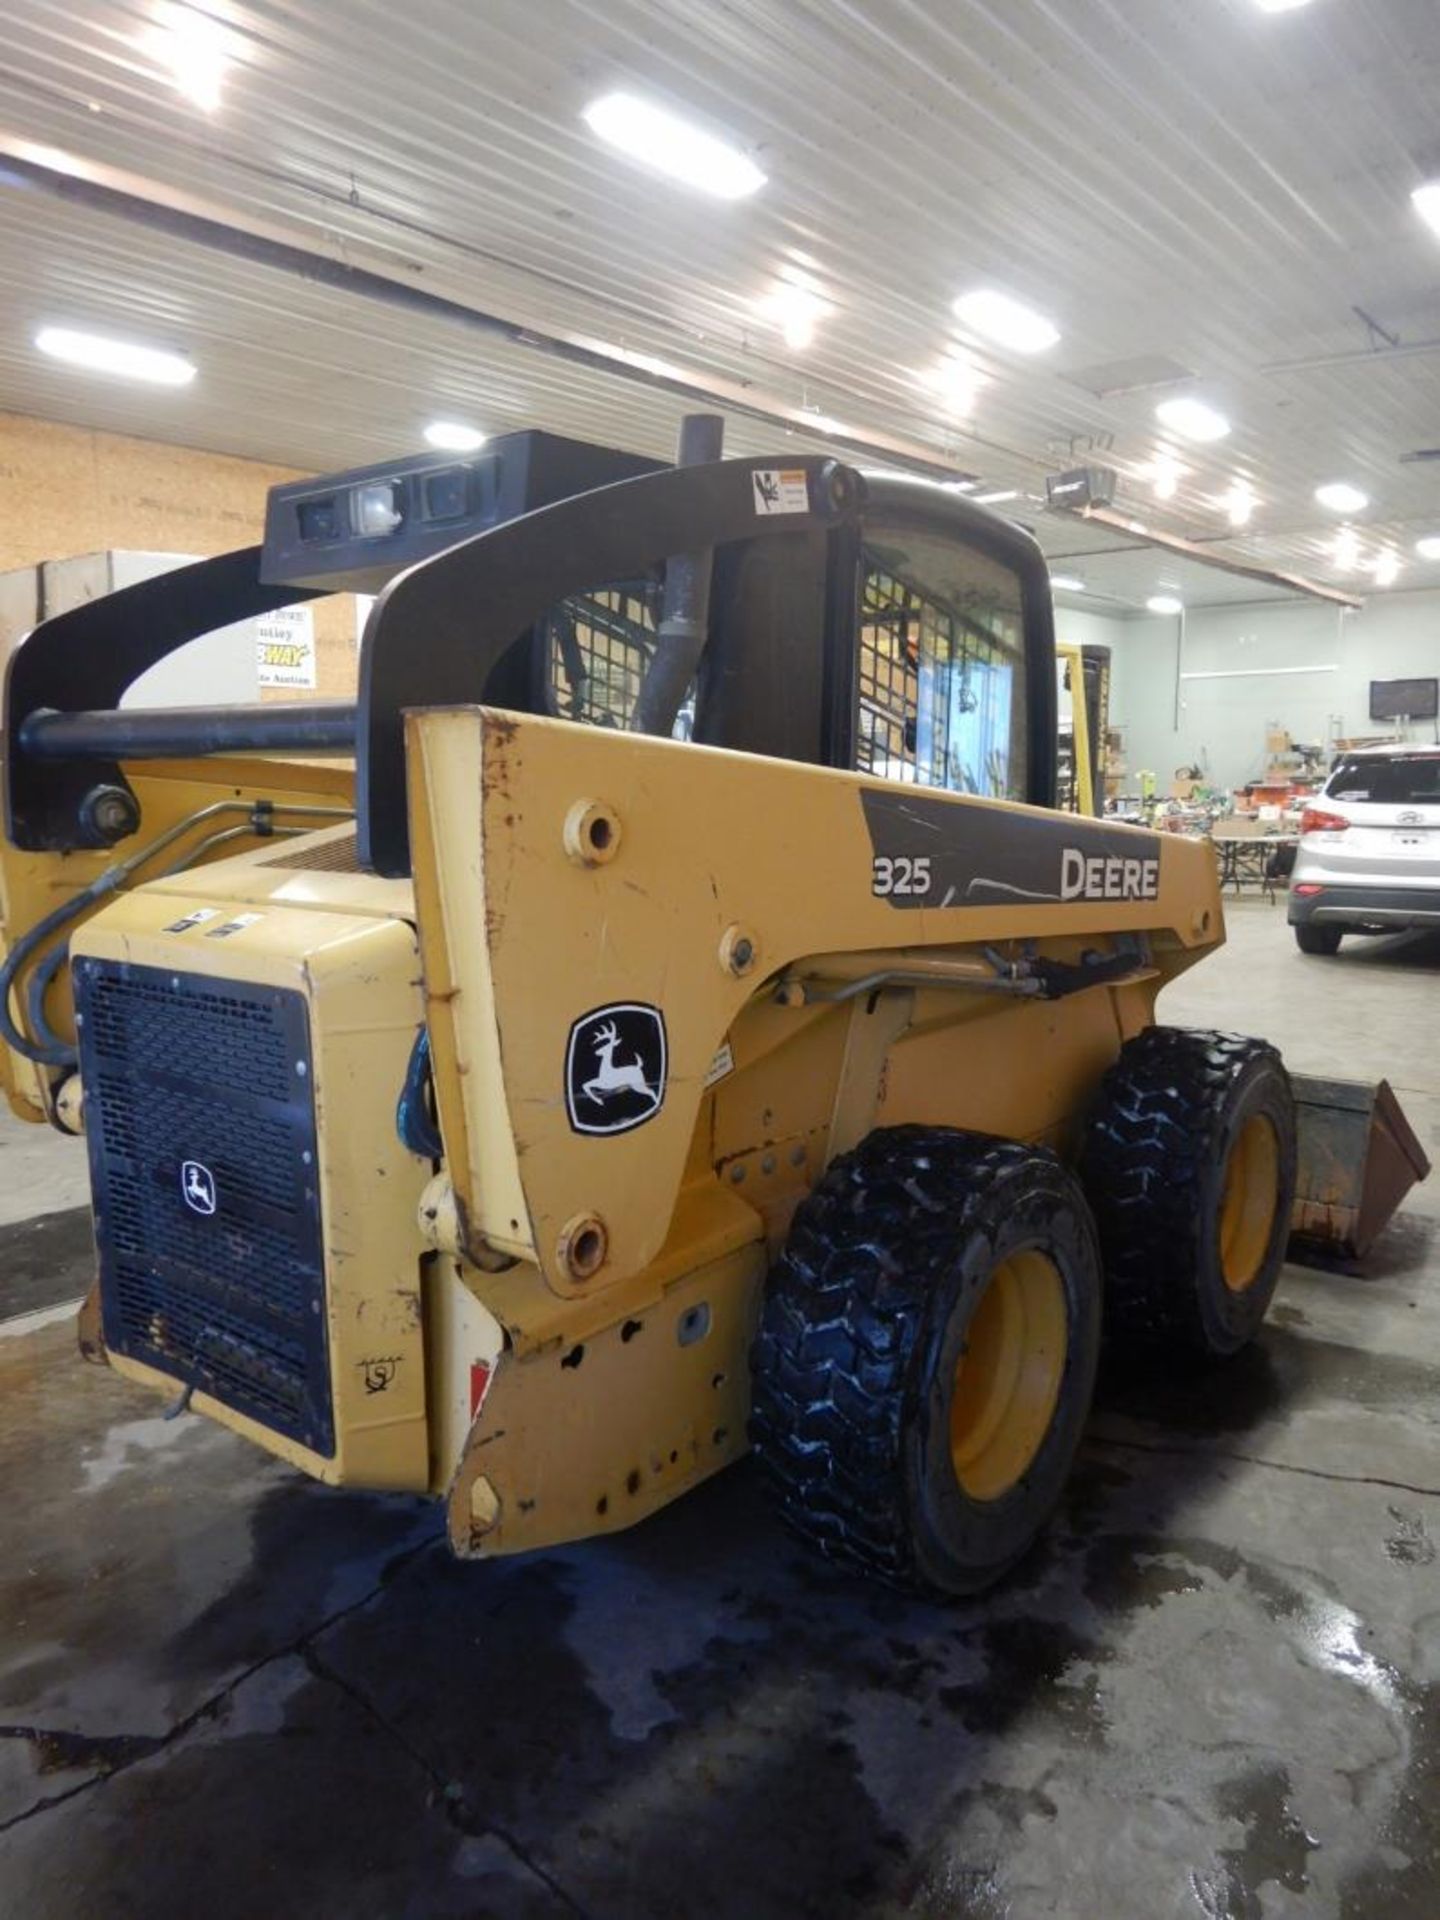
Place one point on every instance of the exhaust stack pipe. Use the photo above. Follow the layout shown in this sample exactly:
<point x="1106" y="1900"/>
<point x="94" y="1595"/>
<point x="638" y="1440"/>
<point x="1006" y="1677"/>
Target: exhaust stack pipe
<point x="685" y="608"/>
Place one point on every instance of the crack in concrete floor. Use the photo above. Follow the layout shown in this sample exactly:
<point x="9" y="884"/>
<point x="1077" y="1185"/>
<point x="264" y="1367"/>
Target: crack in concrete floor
<point x="113" y="1754"/>
<point x="1271" y="1466"/>
<point x="116" y="1753"/>
<point x="449" y="1795"/>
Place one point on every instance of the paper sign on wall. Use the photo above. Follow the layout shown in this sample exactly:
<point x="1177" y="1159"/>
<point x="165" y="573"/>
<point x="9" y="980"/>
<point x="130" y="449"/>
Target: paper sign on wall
<point x="285" y="647"/>
<point x="363" y="603"/>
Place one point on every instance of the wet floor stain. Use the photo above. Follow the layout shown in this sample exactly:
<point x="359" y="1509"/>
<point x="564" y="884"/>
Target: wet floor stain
<point x="808" y="1745"/>
<point x="1282" y="1314"/>
<point x="1275" y="1851"/>
<point x="311" y="1555"/>
<point x="1046" y="1664"/>
<point x="1124" y="1572"/>
<point x="1282" y="1371"/>
<point x="1402" y="1876"/>
<point x="57" y="1751"/>
<point x="1408" y="1543"/>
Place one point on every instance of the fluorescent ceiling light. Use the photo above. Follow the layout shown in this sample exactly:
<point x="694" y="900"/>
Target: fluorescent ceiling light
<point x="1340" y="497"/>
<point x="1429" y="548"/>
<point x="1347" y="550"/>
<point x="1009" y="323"/>
<point x="1066" y="583"/>
<point x="1387" y="568"/>
<point x="1164" y="604"/>
<point x="194" y="50"/>
<point x="1281" y="6"/>
<point x="797" y="310"/>
<point x="997" y="498"/>
<point x="1426" y="201"/>
<point x="957" y="381"/>
<point x="123" y="357"/>
<point x="1192" y="419"/>
<point x="451" y="437"/>
<point x="660" y="139"/>
<point x="1165" y="474"/>
<point x="1239" y="504"/>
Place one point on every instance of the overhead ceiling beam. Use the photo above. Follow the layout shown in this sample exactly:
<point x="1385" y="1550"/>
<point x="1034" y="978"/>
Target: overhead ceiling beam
<point x="1355" y="357"/>
<point x="1192" y="550"/>
<point x="164" y="209"/>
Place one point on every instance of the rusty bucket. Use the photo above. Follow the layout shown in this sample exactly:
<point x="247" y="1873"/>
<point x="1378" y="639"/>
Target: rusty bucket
<point x="1359" y="1157"/>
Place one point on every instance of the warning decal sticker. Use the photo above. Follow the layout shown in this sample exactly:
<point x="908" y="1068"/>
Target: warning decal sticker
<point x="780" y="490"/>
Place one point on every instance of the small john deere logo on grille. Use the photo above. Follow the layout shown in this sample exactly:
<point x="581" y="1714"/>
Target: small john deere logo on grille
<point x="197" y="1187"/>
<point x="615" y="1069"/>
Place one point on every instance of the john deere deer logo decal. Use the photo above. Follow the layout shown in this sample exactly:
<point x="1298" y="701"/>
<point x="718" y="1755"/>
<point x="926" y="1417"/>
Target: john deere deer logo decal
<point x="197" y="1187"/>
<point x="615" y="1069"/>
<point x="627" y="1077"/>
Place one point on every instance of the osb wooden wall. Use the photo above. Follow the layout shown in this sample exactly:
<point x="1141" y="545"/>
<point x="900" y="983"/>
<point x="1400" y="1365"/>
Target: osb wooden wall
<point x="65" y="491"/>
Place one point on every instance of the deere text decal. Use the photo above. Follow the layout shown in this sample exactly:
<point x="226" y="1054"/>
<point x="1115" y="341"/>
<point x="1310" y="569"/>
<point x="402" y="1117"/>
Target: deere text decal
<point x="928" y="852"/>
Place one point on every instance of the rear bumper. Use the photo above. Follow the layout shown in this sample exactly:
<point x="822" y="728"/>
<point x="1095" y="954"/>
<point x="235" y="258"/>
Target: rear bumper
<point x="1388" y="908"/>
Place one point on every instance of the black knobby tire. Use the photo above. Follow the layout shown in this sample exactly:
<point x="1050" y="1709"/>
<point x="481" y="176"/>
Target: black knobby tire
<point x="866" y="1320"/>
<point x="1182" y="1117"/>
<point x="1313" y="939"/>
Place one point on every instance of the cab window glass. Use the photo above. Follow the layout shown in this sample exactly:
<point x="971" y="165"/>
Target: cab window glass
<point x="941" y="673"/>
<point x="597" y="648"/>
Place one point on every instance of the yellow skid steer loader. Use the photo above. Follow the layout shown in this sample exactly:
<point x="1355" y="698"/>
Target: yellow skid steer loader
<point x="664" y="1015"/>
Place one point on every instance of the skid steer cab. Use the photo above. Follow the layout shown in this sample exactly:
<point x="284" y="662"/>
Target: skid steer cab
<point x="664" y="1015"/>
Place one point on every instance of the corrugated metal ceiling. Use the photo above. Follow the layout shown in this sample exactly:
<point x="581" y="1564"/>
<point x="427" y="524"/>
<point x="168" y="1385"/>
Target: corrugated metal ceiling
<point x="1186" y="178"/>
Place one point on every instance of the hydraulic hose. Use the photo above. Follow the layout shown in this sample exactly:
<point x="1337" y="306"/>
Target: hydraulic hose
<point x="43" y="975"/>
<point x="415" y="1111"/>
<point x="47" y="1049"/>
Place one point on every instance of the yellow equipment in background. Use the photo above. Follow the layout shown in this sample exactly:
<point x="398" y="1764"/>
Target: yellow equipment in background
<point x="1072" y="656"/>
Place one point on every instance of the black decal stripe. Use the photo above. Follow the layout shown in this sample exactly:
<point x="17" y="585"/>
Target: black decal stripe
<point x="978" y="850"/>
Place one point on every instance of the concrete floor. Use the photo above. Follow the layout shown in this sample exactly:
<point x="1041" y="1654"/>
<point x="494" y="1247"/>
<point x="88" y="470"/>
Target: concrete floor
<point x="1213" y="1691"/>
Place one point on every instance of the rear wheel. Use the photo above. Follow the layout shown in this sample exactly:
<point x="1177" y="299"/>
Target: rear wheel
<point x="1189" y="1163"/>
<point x="1313" y="939"/>
<point x="927" y="1354"/>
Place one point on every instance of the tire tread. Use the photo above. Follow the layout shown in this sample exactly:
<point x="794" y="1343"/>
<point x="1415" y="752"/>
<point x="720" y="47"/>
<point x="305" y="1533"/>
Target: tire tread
<point x="1149" y="1144"/>
<point x="832" y="1367"/>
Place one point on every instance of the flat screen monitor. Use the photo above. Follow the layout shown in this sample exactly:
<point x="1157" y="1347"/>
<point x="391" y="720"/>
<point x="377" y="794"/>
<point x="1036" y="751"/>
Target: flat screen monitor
<point x="1404" y="699"/>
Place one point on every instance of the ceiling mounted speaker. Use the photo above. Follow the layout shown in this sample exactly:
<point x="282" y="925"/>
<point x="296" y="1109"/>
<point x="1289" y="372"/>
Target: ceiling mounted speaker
<point x="1080" y="488"/>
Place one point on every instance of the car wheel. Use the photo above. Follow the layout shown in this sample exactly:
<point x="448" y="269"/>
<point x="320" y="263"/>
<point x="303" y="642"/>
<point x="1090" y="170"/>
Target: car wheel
<point x="1314" y="939"/>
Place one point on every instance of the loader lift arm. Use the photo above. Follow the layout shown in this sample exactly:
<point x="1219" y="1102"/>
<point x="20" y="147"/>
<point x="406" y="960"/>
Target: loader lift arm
<point x="469" y="622"/>
<point x="85" y="659"/>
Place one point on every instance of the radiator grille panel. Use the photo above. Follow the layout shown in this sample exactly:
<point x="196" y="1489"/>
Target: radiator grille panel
<point x="195" y="1086"/>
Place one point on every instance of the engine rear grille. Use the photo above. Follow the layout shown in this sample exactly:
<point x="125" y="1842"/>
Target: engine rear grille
<point x="336" y="856"/>
<point x="201" y="1126"/>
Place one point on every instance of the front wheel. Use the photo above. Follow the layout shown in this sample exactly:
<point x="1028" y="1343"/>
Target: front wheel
<point x="1313" y="939"/>
<point x="927" y="1355"/>
<point x="1189" y="1163"/>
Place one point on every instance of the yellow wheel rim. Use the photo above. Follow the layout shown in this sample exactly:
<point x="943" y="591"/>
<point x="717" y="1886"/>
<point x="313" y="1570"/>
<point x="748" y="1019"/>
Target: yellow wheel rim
<point x="1007" y="1379"/>
<point x="1248" y="1200"/>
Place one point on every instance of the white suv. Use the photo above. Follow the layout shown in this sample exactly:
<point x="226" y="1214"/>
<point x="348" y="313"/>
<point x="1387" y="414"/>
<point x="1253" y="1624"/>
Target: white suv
<point x="1369" y="856"/>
